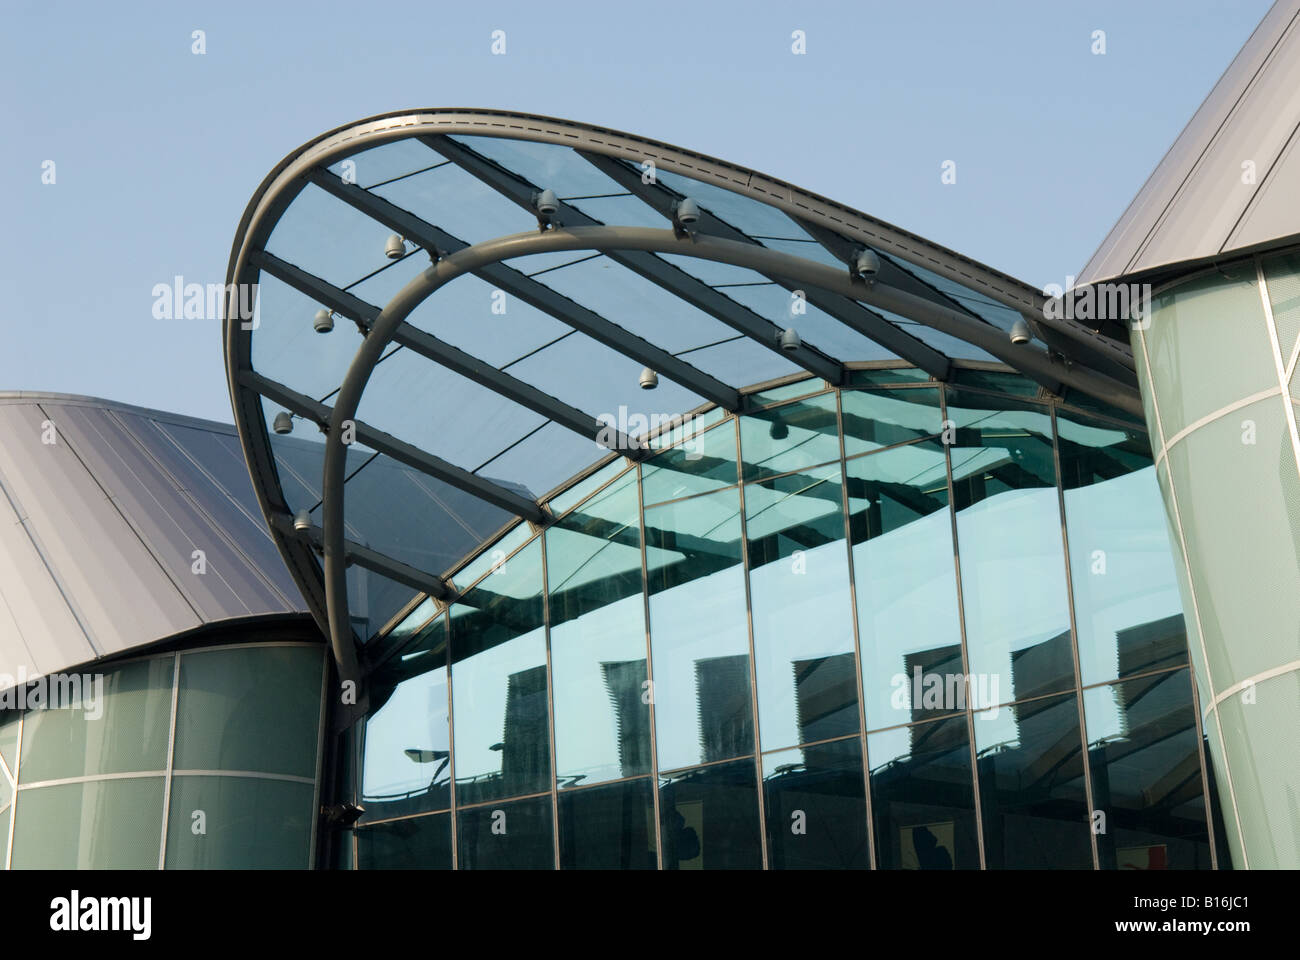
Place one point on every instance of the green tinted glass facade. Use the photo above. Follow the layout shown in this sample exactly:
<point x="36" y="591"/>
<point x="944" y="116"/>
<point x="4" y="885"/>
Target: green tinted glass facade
<point x="907" y="626"/>
<point x="1217" y="360"/>
<point x="203" y="757"/>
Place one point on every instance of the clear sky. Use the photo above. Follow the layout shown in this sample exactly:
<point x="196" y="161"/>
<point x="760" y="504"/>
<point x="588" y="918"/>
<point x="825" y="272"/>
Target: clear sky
<point x="157" y="150"/>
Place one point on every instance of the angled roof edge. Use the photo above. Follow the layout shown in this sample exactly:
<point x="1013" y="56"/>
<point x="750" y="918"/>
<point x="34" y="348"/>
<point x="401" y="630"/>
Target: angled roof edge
<point x="1230" y="183"/>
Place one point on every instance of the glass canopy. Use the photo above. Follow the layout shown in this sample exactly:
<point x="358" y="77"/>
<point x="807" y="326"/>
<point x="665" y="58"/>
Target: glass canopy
<point x="468" y="418"/>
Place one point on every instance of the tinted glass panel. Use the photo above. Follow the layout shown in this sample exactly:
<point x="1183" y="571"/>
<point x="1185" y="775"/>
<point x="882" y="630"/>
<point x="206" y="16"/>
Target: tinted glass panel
<point x="609" y="827"/>
<point x="121" y="730"/>
<point x="882" y="418"/>
<point x="698" y="628"/>
<point x="816" y="807"/>
<point x="1032" y="795"/>
<point x="407" y="764"/>
<point x="250" y="824"/>
<point x="97" y="825"/>
<point x="921" y="797"/>
<point x="710" y="818"/>
<point x="417" y="843"/>
<point x="499" y="683"/>
<point x="906" y="582"/>
<point x="791" y="437"/>
<point x="598" y="639"/>
<point x="802" y="616"/>
<point x="252" y="708"/>
<point x="507" y="836"/>
<point x="1012" y="557"/>
<point x="1145" y="761"/>
<point x="1126" y="604"/>
<point x="704" y="462"/>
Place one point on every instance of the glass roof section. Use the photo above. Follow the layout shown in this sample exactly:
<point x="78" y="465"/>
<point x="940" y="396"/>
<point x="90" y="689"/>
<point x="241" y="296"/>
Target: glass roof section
<point x="483" y="392"/>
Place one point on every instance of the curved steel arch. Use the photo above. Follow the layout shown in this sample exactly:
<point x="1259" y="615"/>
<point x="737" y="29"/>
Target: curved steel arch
<point x="605" y="239"/>
<point x="821" y="217"/>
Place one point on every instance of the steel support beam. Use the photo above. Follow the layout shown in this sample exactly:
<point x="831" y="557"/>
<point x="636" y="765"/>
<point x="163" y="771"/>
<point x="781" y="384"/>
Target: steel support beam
<point x="677" y="282"/>
<point x="453" y="358"/>
<point x="392" y="318"/>
<point x="380" y="563"/>
<point x="850" y="313"/>
<point x="399" y="450"/>
<point x="439" y="243"/>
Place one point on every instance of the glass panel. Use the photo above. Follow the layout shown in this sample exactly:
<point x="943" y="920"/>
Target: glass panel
<point x="906" y="585"/>
<point x="386" y="161"/>
<point x="1195" y="368"/>
<point x="1282" y="278"/>
<point x="801" y="610"/>
<point x="1145" y="760"/>
<point x="882" y="418"/>
<point x="1127" y="610"/>
<point x="407" y="765"/>
<point x="817" y="328"/>
<point x="584" y="488"/>
<point x="507" y="836"/>
<point x="921" y="797"/>
<point x="791" y="437"/>
<point x="1261" y="735"/>
<point x="250" y="824"/>
<point x="816" y="808"/>
<point x="498" y="681"/>
<point x="328" y="238"/>
<point x="458" y="202"/>
<point x="1032" y="795"/>
<point x="703" y="463"/>
<point x="252" y="708"/>
<point x="417" y="843"/>
<point x="688" y="427"/>
<point x="9" y="721"/>
<point x="598" y="639"/>
<point x="1009" y="538"/>
<point x="873" y="378"/>
<point x="507" y="544"/>
<point x="94" y="825"/>
<point x="791" y="391"/>
<point x="1238" y="492"/>
<point x="120" y="726"/>
<point x="710" y="818"/>
<point x="699" y="630"/>
<point x="608" y="828"/>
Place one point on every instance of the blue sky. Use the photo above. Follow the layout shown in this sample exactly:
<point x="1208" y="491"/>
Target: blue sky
<point x="157" y="150"/>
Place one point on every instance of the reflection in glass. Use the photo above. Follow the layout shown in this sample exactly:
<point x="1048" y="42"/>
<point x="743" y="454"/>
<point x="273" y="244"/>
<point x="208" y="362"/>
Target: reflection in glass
<point x="816" y="807"/>
<point x="598" y="639"/>
<point x="802" y="617"/>
<point x="1032" y="796"/>
<point x="414" y="843"/>
<point x="608" y="828"/>
<point x="702" y="463"/>
<point x="507" y="836"/>
<point x="906" y="584"/>
<point x="882" y="418"/>
<point x="1127" y="610"/>
<point x="922" y="803"/>
<point x="698" y="630"/>
<point x="1146" y="774"/>
<point x="709" y="818"/>
<point x="1009" y="538"/>
<point x="407" y="763"/>
<point x="790" y="437"/>
<point x="498" y="674"/>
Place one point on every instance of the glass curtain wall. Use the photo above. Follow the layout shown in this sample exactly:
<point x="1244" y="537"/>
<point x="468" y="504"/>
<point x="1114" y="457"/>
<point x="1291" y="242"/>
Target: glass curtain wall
<point x="201" y="758"/>
<point x="899" y="625"/>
